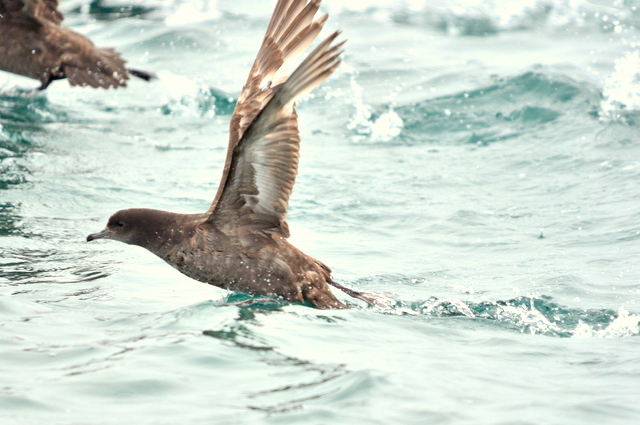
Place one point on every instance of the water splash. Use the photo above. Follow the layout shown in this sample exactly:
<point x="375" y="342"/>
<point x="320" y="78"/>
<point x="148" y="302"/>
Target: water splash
<point x="535" y="315"/>
<point x="186" y="97"/>
<point x="621" y="93"/>
<point x="624" y="325"/>
<point x="384" y="127"/>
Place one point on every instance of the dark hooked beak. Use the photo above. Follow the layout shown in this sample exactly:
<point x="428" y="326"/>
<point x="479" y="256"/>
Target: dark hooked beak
<point x="105" y="234"/>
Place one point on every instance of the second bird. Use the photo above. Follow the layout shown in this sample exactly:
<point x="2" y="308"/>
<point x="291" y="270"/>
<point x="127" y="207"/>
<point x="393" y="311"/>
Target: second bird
<point x="34" y="45"/>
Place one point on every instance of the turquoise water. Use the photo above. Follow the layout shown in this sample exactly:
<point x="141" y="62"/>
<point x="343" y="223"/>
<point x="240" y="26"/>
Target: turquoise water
<point x="475" y="162"/>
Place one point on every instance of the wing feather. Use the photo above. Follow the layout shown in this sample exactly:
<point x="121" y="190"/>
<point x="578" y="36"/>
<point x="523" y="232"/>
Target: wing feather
<point x="264" y="163"/>
<point x="290" y="32"/>
<point x="96" y="68"/>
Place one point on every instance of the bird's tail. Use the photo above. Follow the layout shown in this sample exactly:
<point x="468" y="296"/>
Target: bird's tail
<point x="144" y="75"/>
<point x="369" y="299"/>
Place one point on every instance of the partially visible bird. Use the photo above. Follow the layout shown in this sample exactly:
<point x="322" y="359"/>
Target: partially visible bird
<point x="33" y="44"/>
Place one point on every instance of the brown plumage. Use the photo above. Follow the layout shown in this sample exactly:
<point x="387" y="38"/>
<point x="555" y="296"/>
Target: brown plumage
<point x="33" y="44"/>
<point x="240" y="243"/>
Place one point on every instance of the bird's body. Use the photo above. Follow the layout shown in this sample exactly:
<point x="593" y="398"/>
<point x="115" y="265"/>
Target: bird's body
<point x="34" y="45"/>
<point x="252" y="263"/>
<point x="240" y="243"/>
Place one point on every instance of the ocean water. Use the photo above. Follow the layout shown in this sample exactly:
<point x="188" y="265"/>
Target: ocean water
<point x="476" y="162"/>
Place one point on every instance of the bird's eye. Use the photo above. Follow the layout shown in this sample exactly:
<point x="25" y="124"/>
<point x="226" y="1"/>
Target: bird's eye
<point x="119" y="224"/>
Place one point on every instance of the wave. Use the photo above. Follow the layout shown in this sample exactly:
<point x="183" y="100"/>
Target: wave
<point x="500" y="111"/>
<point x="187" y="97"/>
<point x="23" y="115"/>
<point x="457" y="17"/>
<point x="532" y="315"/>
<point x="20" y="106"/>
<point x="538" y="315"/>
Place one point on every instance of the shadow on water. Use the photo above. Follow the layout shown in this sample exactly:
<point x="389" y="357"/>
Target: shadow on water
<point x="303" y="381"/>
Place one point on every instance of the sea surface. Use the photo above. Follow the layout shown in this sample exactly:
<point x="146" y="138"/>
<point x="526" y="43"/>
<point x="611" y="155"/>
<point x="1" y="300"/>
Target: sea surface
<point x="476" y="163"/>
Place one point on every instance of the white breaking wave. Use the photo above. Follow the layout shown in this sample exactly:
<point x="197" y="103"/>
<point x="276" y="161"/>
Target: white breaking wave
<point x="183" y="96"/>
<point x="621" y="91"/>
<point x="622" y="326"/>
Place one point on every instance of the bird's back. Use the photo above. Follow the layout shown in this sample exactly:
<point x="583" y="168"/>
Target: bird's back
<point x="257" y="264"/>
<point x="26" y="50"/>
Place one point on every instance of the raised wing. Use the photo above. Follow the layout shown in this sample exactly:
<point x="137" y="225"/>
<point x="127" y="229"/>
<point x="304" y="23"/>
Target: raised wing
<point x="46" y="10"/>
<point x="290" y="32"/>
<point x="262" y="168"/>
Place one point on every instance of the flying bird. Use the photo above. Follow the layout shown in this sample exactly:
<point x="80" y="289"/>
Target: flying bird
<point x="240" y="242"/>
<point x="33" y="44"/>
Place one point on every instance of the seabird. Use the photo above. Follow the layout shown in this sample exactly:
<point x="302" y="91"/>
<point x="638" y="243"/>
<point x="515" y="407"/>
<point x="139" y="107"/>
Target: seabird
<point x="240" y="243"/>
<point x="33" y="44"/>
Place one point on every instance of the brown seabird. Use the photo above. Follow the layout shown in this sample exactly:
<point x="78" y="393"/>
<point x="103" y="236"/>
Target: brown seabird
<point x="240" y="243"/>
<point x="33" y="44"/>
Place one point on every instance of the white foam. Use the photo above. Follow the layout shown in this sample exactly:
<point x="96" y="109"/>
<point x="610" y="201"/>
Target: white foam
<point x="385" y="128"/>
<point x="184" y="96"/>
<point x="530" y="320"/>
<point x="193" y="11"/>
<point x="177" y="86"/>
<point x="459" y="306"/>
<point x="621" y="91"/>
<point x="624" y="325"/>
